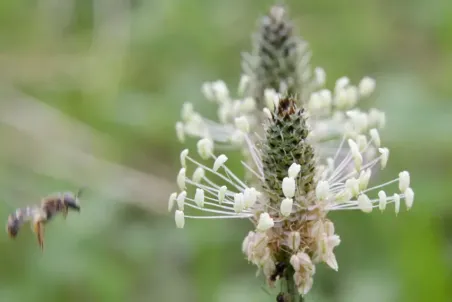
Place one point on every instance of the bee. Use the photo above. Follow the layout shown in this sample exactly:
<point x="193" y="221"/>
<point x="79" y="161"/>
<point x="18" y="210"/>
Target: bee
<point x="39" y="215"/>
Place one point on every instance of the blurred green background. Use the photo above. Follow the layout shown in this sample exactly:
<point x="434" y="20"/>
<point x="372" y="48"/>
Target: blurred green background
<point x="90" y="92"/>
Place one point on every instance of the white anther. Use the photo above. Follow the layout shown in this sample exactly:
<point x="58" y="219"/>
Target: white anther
<point x="375" y="137"/>
<point x="322" y="190"/>
<point x="366" y="86"/>
<point x="171" y="200"/>
<point x="286" y="206"/>
<point x="364" y="203"/>
<point x="396" y="203"/>
<point x="180" y="219"/>
<point x="242" y="124"/>
<point x="205" y="148"/>
<point x="249" y="197"/>
<point x="382" y="200"/>
<point x="384" y="157"/>
<point x="409" y="198"/>
<point x="364" y="178"/>
<point x="238" y="203"/>
<point x="199" y="197"/>
<point x="320" y="76"/>
<point x="404" y="181"/>
<point x="181" y="200"/>
<point x="181" y="179"/>
<point x="222" y="194"/>
<point x="183" y="155"/>
<point x="294" y="169"/>
<point x="198" y="175"/>
<point x="206" y="89"/>
<point x="288" y="187"/>
<point x="352" y="184"/>
<point x="219" y="162"/>
<point x="265" y="222"/>
<point x="180" y="132"/>
<point x="243" y="84"/>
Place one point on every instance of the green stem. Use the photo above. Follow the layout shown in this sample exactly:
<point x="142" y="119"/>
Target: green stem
<point x="291" y="287"/>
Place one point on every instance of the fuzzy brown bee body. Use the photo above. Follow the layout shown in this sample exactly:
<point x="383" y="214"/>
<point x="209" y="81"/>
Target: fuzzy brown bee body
<point x="41" y="214"/>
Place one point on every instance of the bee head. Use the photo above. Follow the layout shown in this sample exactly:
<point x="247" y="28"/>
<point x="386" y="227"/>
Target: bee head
<point x="12" y="227"/>
<point x="71" y="200"/>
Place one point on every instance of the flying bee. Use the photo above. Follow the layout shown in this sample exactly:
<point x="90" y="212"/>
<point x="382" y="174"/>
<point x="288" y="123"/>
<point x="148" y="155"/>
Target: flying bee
<point x="39" y="215"/>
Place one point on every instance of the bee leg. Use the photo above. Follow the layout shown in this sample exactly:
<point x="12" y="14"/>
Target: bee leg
<point x="38" y="228"/>
<point x="64" y="212"/>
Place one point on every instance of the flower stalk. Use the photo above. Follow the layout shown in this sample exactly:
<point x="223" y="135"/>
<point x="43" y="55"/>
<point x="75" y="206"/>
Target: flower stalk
<point x="315" y="153"/>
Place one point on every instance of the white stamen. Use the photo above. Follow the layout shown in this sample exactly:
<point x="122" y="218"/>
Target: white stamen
<point x="341" y="83"/>
<point x="396" y="203"/>
<point x="375" y="137"/>
<point x="343" y="196"/>
<point x="364" y="203"/>
<point x="222" y="194"/>
<point x="181" y="200"/>
<point x="409" y="198"/>
<point x="383" y="200"/>
<point x="352" y="184"/>
<point x="320" y="76"/>
<point x="206" y="89"/>
<point x="183" y="155"/>
<point x="322" y="190"/>
<point x="288" y="187"/>
<point x="181" y="179"/>
<point x="249" y="197"/>
<point x="286" y="206"/>
<point x="404" y="181"/>
<point x="271" y="98"/>
<point x="361" y="141"/>
<point x="265" y="222"/>
<point x="219" y="162"/>
<point x="238" y="203"/>
<point x="384" y="156"/>
<point x="199" y="197"/>
<point x="294" y="169"/>
<point x="243" y="85"/>
<point x="221" y="91"/>
<point x="198" y="175"/>
<point x="205" y="148"/>
<point x="180" y="219"/>
<point x="171" y="201"/>
<point x="187" y="111"/>
<point x="267" y="113"/>
<point x="366" y="86"/>
<point x="180" y="132"/>
<point x="364" y="178"/>
<point x="242" y="124"/>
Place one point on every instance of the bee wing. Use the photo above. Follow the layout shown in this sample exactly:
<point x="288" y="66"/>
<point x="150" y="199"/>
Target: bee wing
<point x="16" y="194"/>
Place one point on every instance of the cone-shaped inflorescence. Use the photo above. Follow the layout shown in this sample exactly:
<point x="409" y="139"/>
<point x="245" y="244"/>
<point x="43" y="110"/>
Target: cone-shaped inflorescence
<point x="280" y="59"/>
<point x="286" y="143"/>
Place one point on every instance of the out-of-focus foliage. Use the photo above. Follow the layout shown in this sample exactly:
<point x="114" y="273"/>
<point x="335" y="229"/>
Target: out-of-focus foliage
<point x="90" y="92"/>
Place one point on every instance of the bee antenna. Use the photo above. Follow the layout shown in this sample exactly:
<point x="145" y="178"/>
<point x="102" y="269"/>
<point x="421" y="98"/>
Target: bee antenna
<point x="79" y="192"/>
